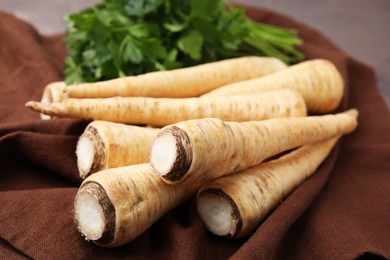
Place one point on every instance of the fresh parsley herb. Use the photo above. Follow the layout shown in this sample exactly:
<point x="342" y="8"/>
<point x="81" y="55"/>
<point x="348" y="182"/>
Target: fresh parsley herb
<point x="128" y="37"/>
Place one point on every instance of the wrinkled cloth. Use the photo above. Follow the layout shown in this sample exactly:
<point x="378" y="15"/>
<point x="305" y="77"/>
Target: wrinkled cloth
<point x="341" y="212"/>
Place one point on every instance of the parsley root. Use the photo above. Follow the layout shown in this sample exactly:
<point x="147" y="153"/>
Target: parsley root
<point x="114" y="206"/>
<point x="181" y="152"/>
<point x="319" y="82"/>
<point x="107" y="145"/>
<point x="234" y="205"/>
<point x="184" y="82"/>
<point x="165" y="111"/>
<point x="53" y="92"/>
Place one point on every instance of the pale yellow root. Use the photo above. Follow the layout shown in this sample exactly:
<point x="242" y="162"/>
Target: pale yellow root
<point x="319" y="82"/>
<point x="53" y="92"/>
<point x="114" y="206"/>
<point x="235" y="205"/>
<point x="165" y="111"/>
<point x="185" y="82"/>
<point x="205" y="149"/>
<point x="106" y="145"/>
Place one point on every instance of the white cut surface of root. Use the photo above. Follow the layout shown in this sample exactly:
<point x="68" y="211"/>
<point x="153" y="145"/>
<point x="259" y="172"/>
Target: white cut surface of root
<point x="217" y="214"/>
<point x="163" y="154"/>
<point x="89" y="215"/>
<point x="85" y="155"/>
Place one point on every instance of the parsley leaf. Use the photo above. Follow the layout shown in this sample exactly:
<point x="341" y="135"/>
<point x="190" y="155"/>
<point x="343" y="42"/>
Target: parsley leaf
<point x="117" y="38"/>
<point x="191" y="43"/>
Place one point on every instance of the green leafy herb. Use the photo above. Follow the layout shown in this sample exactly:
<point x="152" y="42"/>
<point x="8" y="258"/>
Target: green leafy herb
<point x="128" y="37"/>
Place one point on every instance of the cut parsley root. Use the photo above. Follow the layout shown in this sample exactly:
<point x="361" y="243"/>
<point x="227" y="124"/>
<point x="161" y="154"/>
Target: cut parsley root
<point x="319" y="82"/>
<point x="205" y="149"/>
<point x="106" y="145"/>
<point x="223" y="204"/>
<point x="114" y="206"/>
<point x="186" y="82"/>
<point x="165" y="111"/>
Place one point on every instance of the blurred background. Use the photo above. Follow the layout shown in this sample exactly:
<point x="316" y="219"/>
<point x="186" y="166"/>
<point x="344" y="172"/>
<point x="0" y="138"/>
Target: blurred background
<point x="360" y="27"/>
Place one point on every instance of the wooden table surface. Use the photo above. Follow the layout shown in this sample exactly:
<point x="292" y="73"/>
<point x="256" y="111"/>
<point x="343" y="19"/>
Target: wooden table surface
<point x="361" y="28"/>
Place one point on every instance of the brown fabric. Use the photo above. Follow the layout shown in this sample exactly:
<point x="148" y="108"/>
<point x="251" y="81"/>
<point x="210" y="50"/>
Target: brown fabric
<point x="342" y="212"/>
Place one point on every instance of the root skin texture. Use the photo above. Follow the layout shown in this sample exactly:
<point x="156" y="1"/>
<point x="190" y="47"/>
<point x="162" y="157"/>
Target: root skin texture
<point x="179" y="83"/>
<point x="319" y="82"/>
<point x="215" y="148"/>
<point x="131" y="198"/>
<point x="106" y="145"/>
<point x="165" y="111"/>
<point x="252" y="194"/>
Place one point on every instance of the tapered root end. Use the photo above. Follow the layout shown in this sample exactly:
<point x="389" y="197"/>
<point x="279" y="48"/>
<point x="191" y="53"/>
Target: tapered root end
<point x="43" y="108"/>
<point x="34" y="105"/>
<point x="352" y="112"/>
<point x="171" y="155"/>
<point x="94" y="214"/>
<point x="90" y="152"/>
<point x="219" y="213"/>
